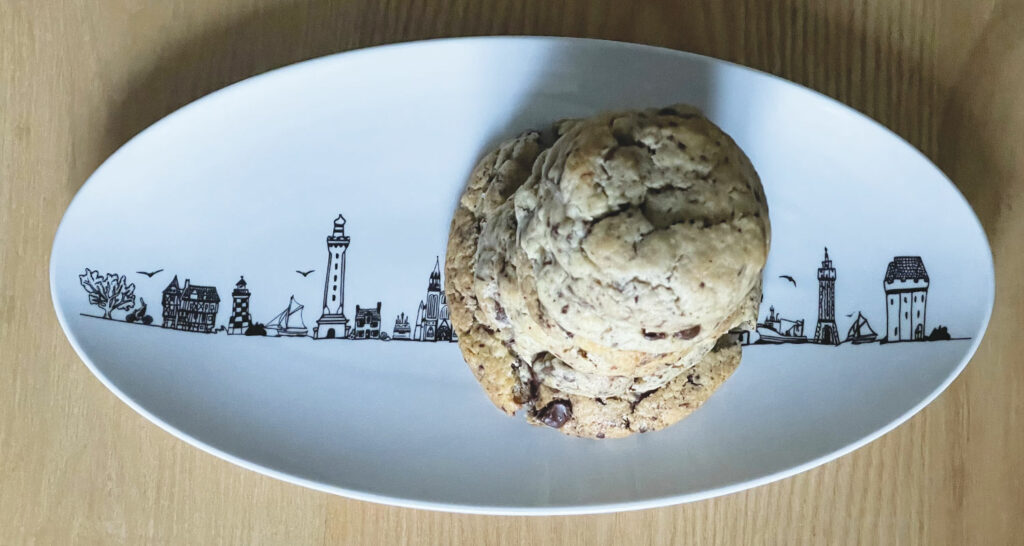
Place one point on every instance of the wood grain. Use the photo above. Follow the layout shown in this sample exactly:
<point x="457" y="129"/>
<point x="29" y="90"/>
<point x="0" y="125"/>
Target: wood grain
<point x="78" y="78"/>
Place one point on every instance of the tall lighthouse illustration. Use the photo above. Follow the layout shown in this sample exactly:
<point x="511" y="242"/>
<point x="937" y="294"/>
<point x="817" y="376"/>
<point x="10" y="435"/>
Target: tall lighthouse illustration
<point x="332" y="323"/>
<point x="825" y="332"/>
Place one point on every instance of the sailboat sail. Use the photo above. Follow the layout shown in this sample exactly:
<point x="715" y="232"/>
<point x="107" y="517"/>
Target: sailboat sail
<point x="289" y="322"/>
<point x="860" y="331"/>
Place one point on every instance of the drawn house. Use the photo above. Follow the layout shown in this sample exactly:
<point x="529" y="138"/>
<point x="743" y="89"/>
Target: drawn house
<point x="432" y="323"/>
<point x="332" y="322"/>
<point x="367" y="323"/>
<point x="826" y="332"/>
<point x="906" y="297"/>
<point x="240" y="318"/>
<point x="402" y="329"/>
<point x="191" y="308"/>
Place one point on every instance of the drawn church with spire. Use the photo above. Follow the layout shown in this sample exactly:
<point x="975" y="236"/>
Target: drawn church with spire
<point x="432" y="321"/>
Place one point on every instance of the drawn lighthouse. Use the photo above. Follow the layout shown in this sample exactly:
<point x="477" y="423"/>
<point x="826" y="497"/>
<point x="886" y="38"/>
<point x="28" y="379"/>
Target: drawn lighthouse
<point x="240" y="317"/>
<point x="332" y="322"/>
<point x="826" y="332"/>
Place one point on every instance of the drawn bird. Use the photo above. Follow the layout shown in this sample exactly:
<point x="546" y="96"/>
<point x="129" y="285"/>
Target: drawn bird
<point x="149" y="273"/>
<point x="848" y="315"/>
<point x="305" y="273"/>
<point x="788" y="278"/>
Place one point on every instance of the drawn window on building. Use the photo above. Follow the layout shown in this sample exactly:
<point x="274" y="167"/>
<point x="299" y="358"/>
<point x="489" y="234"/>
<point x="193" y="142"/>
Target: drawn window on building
<point x="335" y="278"/>
<point x="895" y="331"/>
<point x="906" y="314"/>
<point x="892" y="301"/>
<point x="334" y="297"/>
<point x="918" y="313"/>
<point x="335" y="265"/>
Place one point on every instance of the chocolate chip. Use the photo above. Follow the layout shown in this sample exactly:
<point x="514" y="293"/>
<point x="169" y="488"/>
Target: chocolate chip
<point x="582" y="353"/>
<point x="556" y="413"/>
<point x="655" y="335"/>
<point x="703" y="157"/>
<point x="688" y="333"/>
<point x="600" y="435"/>
<point x="702" y="284"/>
<point x="681" y="146"/>
<point x="600" y="401"/>
<point x="499" y="313"/>
<point x="565" y="309"/>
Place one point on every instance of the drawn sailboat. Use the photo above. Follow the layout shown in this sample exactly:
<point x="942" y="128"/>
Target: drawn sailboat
<point x="860" y="331"/>
<point x="780" y="330"/>
<point x="288" y="322"/>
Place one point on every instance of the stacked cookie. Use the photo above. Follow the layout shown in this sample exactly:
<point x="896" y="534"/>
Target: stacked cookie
<point x="595" y="270"/>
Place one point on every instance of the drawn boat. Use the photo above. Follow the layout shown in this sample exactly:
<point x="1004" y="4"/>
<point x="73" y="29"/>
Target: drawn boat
<point x="288" y="322"/>
<point x="860" y="331"/>
<point x="777" y="330"/>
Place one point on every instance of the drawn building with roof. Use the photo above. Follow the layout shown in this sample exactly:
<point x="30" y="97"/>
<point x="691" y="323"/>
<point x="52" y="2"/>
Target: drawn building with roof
<point x="367" y="323"/>
<point x="402" y="329"/>
<point x="906" y="298"/>
<point x="432" y="322"/>
<point x="192" y="308"/>
<point x="240" y="319"/>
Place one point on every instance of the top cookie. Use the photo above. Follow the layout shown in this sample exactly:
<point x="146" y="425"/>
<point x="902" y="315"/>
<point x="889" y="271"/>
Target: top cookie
<point x="642" y="231"/>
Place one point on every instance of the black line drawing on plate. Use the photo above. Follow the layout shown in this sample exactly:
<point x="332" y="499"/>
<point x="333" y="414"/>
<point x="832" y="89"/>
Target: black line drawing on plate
<point x="110" y="292"/>
<point x="288" y="323"/>
<point x="402" y="329"/>
<point x="776" y="329"/>
<point x="332" y="323"/>
<point x="367" y="323"/>
<point x="826" y="332"/>
<point x="860" y="331"/>
<point x="192" y="308"/>
<point x="257" y="329"/>
<point x="139" y="314"/>
<point x="432" y="314"/>
<point x="940" y="333"/>
<point x="240" y="320"/>
<point x="906" y="297"/>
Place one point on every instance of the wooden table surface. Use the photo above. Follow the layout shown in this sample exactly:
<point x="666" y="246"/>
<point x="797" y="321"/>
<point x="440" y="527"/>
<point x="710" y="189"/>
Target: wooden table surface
<point x="79" y="77"/>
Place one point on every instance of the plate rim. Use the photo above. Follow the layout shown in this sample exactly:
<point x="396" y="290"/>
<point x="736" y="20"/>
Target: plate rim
<point x="511" y="510"/>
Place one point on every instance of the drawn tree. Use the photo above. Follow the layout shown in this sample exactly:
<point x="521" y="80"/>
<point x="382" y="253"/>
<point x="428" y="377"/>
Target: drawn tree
<point x="109" y="292"/>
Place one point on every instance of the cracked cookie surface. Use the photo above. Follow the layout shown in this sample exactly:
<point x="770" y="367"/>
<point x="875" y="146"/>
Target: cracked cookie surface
<point x="507" y="282"/>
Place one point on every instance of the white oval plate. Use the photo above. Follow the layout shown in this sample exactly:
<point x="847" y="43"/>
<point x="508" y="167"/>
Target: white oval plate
<point x="249" y="181"/>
